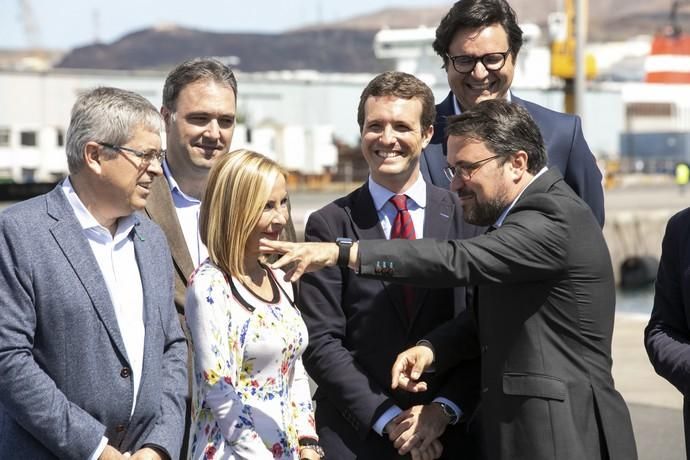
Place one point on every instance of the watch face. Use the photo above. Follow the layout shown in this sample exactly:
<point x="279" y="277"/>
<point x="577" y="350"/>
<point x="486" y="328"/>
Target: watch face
<point x="450" y="413"/>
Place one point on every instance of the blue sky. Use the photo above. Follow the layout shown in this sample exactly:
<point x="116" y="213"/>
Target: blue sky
<point x="69" y="23"/>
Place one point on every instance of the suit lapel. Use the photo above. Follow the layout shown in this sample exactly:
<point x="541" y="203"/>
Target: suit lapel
<point x="438" y="215"/>
<point x="68" y="235"/>
<point x="443" y="111"/>
<point x="160" y="208"/>
<point x="366" y="226"/>
<point x="149" y="279"/>
<point x="363" y="215"/>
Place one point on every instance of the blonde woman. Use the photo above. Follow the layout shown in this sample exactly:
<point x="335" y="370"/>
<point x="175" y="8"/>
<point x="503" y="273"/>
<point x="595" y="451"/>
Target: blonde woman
<point x="251" y="396"/>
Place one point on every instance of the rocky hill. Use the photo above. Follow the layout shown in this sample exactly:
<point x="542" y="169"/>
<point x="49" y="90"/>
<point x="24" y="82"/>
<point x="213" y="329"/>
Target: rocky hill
<point x="343" y="46"/>
<point x="329" y="50"/>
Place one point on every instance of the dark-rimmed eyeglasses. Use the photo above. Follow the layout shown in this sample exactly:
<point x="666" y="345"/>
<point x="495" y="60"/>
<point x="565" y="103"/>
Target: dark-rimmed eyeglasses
<point x="145" y="157"/>
<point x="466" y="171"/>
<point x="465" y="63"/>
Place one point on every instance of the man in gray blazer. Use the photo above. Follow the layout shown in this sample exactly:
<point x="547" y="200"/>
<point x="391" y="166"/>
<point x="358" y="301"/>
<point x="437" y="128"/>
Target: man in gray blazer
<point x="92" y="355"/>
<point x="543" y="312"/>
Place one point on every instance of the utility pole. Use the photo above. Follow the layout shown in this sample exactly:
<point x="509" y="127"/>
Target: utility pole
<point x="568" y="32"/>
<point x="31" y="29"/>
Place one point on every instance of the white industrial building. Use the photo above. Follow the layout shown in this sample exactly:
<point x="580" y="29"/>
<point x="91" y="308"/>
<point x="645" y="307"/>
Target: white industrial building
<point x="293" y="117"/>
<point x="289" y="117"/>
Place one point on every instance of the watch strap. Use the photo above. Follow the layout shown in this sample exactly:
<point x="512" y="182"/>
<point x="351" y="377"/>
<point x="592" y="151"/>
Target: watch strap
<point x="344" y="245"/>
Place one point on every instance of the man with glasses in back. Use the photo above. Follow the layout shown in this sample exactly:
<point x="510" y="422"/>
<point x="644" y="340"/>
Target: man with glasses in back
<point x="479" y="41"/>
<point x="92" y="355"/>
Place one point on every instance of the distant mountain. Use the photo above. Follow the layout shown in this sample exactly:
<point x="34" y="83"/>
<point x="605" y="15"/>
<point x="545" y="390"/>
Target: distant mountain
<point x="328" y="50"/>
<point x="342" y="46"/>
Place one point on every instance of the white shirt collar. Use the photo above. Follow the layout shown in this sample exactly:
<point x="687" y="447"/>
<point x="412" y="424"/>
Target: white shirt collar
<point x="381" y="195"/>
<point x="174" y="186"/>
<point x="505" y="212"/>
<point x="88" y="222"/>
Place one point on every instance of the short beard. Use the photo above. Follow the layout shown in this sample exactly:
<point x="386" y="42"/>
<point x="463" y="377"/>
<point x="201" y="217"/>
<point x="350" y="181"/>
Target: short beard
<point x="487" y="213"/>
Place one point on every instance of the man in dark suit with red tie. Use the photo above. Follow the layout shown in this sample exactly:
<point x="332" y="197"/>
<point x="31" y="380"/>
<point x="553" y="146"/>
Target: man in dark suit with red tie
<point x="358" y="326"/>
<point x="543" y="315"/>
<point x="479" y="42"/>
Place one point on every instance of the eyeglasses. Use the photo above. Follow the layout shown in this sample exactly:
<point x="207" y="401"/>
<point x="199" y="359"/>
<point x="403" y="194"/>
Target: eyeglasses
<point x="146" y="157"/>
<point x="491" y="61"/>
<point x="467" y="171"/>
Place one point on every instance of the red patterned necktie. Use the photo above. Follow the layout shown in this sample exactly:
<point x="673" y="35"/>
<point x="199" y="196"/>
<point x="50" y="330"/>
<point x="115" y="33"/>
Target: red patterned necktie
<point x="404" y="228"/>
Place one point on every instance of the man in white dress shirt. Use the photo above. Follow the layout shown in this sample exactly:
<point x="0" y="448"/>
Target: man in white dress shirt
<point x="199" y="110"/>
<point x="91" y="352"/>
<point x="199" y="102"/>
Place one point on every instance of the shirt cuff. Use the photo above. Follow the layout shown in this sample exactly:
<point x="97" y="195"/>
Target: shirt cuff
<point x="452" y="405"/>
<point x="383" y="420"/>
<point x="99" y="450"/>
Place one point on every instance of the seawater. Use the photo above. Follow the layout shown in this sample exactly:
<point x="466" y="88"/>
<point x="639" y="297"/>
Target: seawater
<point x="635" y="301"/>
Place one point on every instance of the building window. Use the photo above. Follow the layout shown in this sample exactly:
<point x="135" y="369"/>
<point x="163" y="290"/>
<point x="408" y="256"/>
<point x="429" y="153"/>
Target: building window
<point x="4" y="137"/>
<point x="28" y="175"/>
<point x="28" y="138"/>
<point x="60" y="137"/>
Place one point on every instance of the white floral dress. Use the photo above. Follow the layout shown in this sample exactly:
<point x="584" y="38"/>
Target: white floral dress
<point x="251" y="393"/>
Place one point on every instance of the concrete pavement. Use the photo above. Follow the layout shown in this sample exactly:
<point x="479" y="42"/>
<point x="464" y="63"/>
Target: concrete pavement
<point x="655" y="405"/>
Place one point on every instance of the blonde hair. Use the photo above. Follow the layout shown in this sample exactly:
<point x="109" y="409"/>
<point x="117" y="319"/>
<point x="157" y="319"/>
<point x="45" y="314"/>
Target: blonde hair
<point x="239" y="185"/>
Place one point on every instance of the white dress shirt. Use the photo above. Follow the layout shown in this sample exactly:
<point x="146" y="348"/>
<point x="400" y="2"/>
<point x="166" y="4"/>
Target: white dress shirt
<point x="187" y="209"/>
<point x="505" y="212"/>
<point x="387" y="211"/>
<point x="118" y="264"/>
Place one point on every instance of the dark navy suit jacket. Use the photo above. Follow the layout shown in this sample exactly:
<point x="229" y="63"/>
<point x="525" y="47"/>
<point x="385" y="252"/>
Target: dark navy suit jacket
<point x="566" y="148"/>
<point x="667" y="336"/>
<point x="357" y="327"/>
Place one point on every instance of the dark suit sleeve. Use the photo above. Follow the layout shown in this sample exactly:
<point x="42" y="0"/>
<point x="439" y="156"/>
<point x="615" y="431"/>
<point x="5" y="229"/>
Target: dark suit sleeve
<point x="27" y="393"/>
<point x="583" y="174"/>
<point x="456" y="343"/>
<point x="667" y="338"/>
<point x="529" y="246"/>
<point x="456" y="348"/>
<point x="359" y="398"/>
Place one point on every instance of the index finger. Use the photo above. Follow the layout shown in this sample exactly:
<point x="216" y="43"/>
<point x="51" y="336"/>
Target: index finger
<point x="398" y="370"/>
<point x="267" y="246"/>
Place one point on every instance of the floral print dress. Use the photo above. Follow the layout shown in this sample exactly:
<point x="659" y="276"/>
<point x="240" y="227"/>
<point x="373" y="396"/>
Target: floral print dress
<point x="251" y="393"/>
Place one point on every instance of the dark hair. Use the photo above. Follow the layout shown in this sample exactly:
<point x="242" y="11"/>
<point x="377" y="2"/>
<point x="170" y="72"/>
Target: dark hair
<point x="504" y="128"/>
<point x="404" y="86"/>
<point x="472" y="14"/>
<point x="194" y="70"/>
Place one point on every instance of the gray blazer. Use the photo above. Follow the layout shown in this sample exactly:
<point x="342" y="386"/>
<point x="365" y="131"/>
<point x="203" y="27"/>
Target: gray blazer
<point x="66" y="380"/>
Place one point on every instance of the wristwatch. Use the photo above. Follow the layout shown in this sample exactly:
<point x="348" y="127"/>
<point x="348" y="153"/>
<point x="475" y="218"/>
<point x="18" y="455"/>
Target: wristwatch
<point x="448" y="412"/>
<point x="308" y="443"/>
<point x="344" y="245"/>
